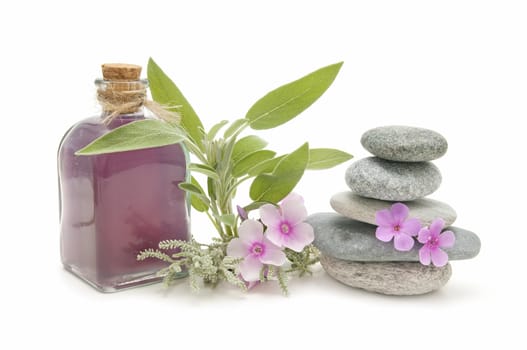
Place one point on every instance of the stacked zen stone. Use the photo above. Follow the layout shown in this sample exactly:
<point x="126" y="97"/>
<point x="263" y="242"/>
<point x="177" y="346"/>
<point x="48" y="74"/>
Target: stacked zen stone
<point x="400" y="172"/>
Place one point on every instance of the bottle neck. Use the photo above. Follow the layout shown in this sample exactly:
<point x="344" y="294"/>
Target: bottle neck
<point x="121" y="99"/>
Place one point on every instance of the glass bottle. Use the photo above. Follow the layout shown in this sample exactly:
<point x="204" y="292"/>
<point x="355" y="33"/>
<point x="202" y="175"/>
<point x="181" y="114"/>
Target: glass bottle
<point x="114" y="205"/>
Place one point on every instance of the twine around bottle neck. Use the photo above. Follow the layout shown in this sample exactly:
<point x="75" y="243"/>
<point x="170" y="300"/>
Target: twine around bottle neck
<point x="118" y="98"/>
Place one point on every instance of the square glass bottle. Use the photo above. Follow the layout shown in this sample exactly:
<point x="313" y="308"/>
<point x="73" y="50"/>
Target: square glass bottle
<point x="114" y="205"/>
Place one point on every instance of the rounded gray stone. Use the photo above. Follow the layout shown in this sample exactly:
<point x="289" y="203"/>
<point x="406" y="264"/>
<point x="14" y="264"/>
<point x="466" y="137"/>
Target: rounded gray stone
<point x="392" y="278"/>
<point x="377" y="178"/>
<point x="347" y="239"/>
<point x="363" y="209"/>
<point x="404" y="143"/>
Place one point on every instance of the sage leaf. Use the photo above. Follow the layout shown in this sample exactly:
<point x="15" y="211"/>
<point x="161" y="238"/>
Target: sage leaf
<point x="235" y="127"/>
<point x="198" y="200"/>
<point x="165" y="92"/>
<point x="214" y="130"/>
<point x="205" y="170"/>
<point x="288" y="172"/>
<point x="250" y="161"/>
<point x="325" y="158"/>
<point x="136" y="135"/>
<point x="265" y="167"/>
<point x="228" y="219"/>
<point x="286" y="102"/>
<point x="247" y="145"/>
<point x="190" y="187"/>
<point x="254" y="206"/>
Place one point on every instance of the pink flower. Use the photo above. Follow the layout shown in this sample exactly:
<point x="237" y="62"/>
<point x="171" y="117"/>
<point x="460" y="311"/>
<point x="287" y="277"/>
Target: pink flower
<point x="255" y="249"/>
<point x="285" y="225"/>
<point x="394" y="223"/>
<point x="433" y="240"/>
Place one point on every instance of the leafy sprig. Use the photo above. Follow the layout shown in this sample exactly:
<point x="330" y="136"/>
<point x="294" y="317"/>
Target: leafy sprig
<point x="227" y="160"/>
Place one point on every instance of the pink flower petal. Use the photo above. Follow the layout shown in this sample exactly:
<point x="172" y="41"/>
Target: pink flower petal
<point x="424" y="255"/>
<point x="447" y="239"/>
<point x="274" y="235"/>
<point x="250" y="268"/>
<point x="399" y="212"/>
<point x="436" y="227"/>
<point x="294" y="211"/>
<point x="403" y="242"/>
<point x="301" y="236"/>
<point x="384" y="234"/>
<point x="439" y="257"/>
<point x="384" y="218"/>
<point x="250" y="231"/>
<point x="293" y="197"/>
<point x="270" y="215"/>
<point x="423" y="235"/>
<point x="273" y="255"/>
<point x="237" y="248"/>
<point x="411" y="227"/>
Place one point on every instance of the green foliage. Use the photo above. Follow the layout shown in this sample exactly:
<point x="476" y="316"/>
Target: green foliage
<point x="325" y="158"/>
<point x="287" y="173"/>
<point x="301" y="261"/>
<point x="137" y="135"/>
<point x="227" y="161"/>
<point x="206" y="262"/>
<point x="165" y="92"/>
<point x="198" y="199"/>
<point x="283" y="104"/>
<point x="251" y="161"/>
<point x="246" y="146"/>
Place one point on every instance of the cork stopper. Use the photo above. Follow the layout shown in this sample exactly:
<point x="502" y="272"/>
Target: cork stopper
<point x="120" y="71"/>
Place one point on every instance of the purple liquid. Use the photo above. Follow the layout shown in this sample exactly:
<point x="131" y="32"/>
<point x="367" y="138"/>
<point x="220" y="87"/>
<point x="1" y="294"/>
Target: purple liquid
<point x="115" y="205"/>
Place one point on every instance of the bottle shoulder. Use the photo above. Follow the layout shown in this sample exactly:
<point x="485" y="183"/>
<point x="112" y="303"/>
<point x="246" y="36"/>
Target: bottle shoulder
<point x="82" y="133"/>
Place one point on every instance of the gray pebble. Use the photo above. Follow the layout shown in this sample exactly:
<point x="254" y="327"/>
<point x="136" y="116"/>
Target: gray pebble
<point x="343" y="238"/>
<point x="392" y="181"/>
<point x="392" y="278"/>
<point x="363" y="209"/>
<point x="404" y="143"/>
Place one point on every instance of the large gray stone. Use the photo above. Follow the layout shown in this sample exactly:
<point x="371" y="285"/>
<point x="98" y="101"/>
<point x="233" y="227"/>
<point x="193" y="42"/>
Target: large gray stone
<point x="393" y="278"/>
<point x="347" y="239"/>
<point x="392" y="181"/>
<point x="363" y="209"/>
<point x="404" y="143"/>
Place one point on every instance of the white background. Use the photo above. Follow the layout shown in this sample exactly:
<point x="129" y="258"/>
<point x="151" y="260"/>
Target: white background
<point x="458" y="67"/>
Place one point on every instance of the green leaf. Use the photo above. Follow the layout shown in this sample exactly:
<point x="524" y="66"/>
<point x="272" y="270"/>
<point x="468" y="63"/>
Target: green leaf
<point x="246" y="146"/>
<point x="250" y="161"/>
<point x="204" y="169"/>
<point x="228" y="219"/>
<point x="235" y="127"/>
<point x="325" y="158"/>
<point x="132" y="136"/>
<point x="283" y="104"/>
<point x="190" y="187"/>
<point x="274" y="187"/>
<point x="265" y="167"/>
<point x="254" y="206"/>
<point x="214" y="130"/>
<point x="198" y="200"/>
<point x="165" y="92"/>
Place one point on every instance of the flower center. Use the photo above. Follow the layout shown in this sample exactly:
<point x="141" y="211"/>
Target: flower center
<point x="433" y="241"/>
<point x="257" y="249"/>
<point x="285" y="228"/>
<point x="397" y="228"/>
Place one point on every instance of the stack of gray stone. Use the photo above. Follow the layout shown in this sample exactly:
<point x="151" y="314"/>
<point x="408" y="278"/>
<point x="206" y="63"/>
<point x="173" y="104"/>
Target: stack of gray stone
<point x="400" y="171"/>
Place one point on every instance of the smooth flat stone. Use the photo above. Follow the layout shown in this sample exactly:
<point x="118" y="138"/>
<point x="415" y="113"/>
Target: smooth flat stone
<point x="363" y="209"/>
<point x="347" y="239"/>
<point x="404" y="143"/>
<point x="392" y="278"/>
<point x="392" y="181"/>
